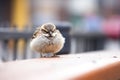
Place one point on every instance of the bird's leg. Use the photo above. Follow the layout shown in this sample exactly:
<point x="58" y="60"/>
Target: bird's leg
<point x="54" y="55"/>
<point x="50" y="54"/>
<point x="41" y="55"/>
<point x="46" y="55"/>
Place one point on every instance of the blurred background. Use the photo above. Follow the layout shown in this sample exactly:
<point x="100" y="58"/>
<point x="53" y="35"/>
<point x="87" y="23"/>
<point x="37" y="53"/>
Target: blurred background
<point x="87" y="25"/>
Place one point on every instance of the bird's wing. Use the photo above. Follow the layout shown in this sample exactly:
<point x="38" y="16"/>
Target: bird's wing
<point x="36" y="33"/>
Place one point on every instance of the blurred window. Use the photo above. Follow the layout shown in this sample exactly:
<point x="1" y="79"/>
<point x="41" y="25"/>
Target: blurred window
<point x="5" y="11"/>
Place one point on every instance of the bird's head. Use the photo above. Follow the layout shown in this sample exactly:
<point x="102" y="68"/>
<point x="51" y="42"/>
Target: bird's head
<point x="48" y="30"/>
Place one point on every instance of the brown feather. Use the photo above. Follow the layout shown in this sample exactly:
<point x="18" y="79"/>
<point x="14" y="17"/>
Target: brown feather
<point x="35" y="34"/>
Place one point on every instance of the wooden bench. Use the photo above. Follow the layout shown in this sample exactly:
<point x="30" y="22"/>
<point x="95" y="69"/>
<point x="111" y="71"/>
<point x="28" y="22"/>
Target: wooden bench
<point x="103" y="65"/>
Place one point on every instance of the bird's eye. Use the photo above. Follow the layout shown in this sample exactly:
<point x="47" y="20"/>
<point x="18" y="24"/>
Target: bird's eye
<point x="44" y="31"/>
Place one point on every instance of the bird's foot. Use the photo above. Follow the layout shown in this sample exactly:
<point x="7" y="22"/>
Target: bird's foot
<point x="47" y="55"/>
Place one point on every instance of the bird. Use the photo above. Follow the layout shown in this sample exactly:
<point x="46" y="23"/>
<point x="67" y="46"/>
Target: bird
<point x="47" y="40"/>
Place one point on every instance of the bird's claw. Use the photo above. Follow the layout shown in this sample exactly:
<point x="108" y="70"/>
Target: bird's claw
<point x="47" y="55"/>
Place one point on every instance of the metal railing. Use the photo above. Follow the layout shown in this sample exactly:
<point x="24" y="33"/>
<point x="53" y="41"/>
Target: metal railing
<point x="7" y="34"/>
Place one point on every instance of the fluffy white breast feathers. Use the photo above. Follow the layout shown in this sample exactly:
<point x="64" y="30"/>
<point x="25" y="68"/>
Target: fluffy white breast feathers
<point x="47" y="40"/>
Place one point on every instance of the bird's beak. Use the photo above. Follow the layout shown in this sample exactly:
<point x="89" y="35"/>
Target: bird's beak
<point x="50" y="34"/>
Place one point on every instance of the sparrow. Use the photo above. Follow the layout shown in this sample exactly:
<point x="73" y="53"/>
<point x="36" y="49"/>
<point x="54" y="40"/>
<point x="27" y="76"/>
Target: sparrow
<point x="47" y="40"/>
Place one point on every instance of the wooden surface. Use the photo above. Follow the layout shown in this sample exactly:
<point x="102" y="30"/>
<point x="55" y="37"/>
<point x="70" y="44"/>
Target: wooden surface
<point x="103" y="65"/>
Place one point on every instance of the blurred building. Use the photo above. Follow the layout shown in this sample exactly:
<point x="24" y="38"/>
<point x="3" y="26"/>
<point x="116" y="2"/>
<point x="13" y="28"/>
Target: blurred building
<point x="95" y="23"/>
<point x="25" y="12"/>
<point x="5" y="11"/>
